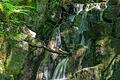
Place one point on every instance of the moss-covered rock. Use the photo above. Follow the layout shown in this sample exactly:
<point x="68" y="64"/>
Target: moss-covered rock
<point x="2" y="53"/>
<point x="15" y="60"/>
<point x="115" y="44"/>
<point x="100" y="29"/>
<point x="6" y="77"/>
<point x="90" y="73"/>
<point x="116" y="69"/>
<point x="111" y="13"/>
<point x="113" y="2"/>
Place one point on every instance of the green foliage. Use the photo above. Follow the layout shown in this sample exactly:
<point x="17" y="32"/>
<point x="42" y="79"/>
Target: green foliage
<point x="15" y="61"/>
<point x="116" y="69"/>
<point x="79" y="36"/>
<point x="9" y="9"/>
<point x="12" y="17"/>
<point x="6" y="77"/>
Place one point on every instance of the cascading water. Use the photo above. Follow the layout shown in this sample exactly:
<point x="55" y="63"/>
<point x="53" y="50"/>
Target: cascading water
<point x="84" y="23"/>
<point x="46" y="74"/>
<point x="60" y="70"/>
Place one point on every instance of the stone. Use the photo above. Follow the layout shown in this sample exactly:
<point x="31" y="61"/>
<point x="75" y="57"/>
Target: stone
<point x="90" y="73"/>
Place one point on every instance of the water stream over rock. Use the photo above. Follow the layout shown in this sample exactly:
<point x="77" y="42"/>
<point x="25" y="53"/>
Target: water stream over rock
<point x="60" y="70"/>
<point x="83" y="11"/>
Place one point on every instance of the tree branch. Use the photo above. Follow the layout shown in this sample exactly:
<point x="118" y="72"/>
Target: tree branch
<point x="50" y="50"/>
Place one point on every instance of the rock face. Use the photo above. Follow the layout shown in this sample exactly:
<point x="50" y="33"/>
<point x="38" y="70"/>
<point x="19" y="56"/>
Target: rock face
<point x="101" y="62"/>
<point x="2" y="54"/>
<point x="91" y="39"/>
<point x="15" y="60"/>
<point x="90" y="73"/>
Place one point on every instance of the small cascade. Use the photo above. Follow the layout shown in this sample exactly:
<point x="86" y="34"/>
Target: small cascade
<point x="83" y="40"/>
<point x="60" y="70"/>
<point x="78" y="9"/>
<point x="54" y="44"/>
<point x="82" y="10"/>
<point x="84" y="24"/>
<point x="46" y="74"/>
<point x="58" y="37"/>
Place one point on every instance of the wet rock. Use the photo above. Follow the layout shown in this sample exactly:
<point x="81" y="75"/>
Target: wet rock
<point x="75" y="61"/>
<point x="90" y="73"/>
<point x="39" y="76"/>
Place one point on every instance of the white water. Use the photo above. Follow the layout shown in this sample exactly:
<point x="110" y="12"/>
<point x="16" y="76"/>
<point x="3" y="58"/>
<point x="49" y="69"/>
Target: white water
<point x="46" y="74"/>
<point x="84" y="24"/>
<point x="59" y="73"/>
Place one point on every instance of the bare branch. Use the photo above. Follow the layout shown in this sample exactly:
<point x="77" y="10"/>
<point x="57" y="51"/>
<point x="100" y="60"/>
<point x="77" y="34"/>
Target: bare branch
<point x="50" y="50"/>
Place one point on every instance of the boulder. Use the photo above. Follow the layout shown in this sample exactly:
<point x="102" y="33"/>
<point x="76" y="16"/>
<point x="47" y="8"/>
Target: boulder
<point x="89" y="73"/>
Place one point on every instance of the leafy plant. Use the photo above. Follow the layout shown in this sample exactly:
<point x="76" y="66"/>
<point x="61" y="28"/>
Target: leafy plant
<point x="8" y="10"/>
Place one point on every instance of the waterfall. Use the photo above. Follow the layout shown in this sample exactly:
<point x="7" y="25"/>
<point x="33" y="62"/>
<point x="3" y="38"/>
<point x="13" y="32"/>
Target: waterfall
<point x="58" y="37"/>
<point x="84" y="24"/>
<point x="60" y="70"/>
<point x="46" y="76"/>
<point x="82" y="10"/>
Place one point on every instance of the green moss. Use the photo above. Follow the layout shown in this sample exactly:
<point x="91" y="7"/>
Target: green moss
<point x="115" y="43"/>
<point x="116" y="68"/>
<point x="15" y="61"/>
<point x="6" y="77"/>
